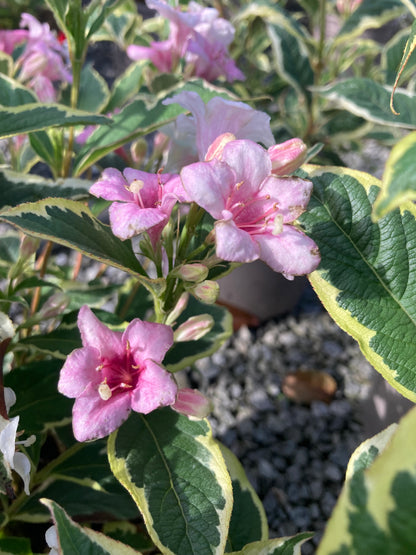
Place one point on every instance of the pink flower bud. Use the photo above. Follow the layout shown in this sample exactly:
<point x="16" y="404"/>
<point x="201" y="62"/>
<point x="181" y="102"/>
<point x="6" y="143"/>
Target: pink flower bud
<point x="192" y="403"/>
<point x="192" y="272"/>
<point x="207" y="291"/>
<point x="216" y="148"/>
<point x="346" y="7"/>
<point x="194" y="328"/>
<point x="54" y="306"/>
<point x="138" y="150"/>
<point x="160" y="144"/>
<point x="28" y="246"/>
<point x="178" y="309"/>
<point x="287" y="157"/>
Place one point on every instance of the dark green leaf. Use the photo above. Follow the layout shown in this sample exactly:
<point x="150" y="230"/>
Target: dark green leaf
<point x="175" y="472"/>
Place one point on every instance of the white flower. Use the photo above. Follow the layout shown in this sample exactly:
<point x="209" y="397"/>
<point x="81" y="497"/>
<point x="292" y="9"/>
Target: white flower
<point x="51" y="537"/>
<point x="8" y="430"/>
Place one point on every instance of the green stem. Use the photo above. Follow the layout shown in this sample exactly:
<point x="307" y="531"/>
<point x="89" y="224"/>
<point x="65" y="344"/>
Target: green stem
<point x="77" y="63"/>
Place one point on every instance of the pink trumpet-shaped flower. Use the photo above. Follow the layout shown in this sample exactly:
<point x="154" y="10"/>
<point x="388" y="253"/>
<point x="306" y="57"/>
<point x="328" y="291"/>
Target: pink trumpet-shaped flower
<point x="143" y="201"/>
<point x="254" y="210"/>
<point x="199" y="36"/>
<point x="192" y="135"/>
<point x="114" y="373"/>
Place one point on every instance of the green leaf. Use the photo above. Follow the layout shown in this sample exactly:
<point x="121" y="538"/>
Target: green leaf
<point x="369" y="15"/>
<point x="248" y="518"/>
<point x="39" y="404"/>
<point x="75" y="540"/>
<point x="34" y="117"/>
<point x="277" y="546"/>
<point x="174" y="471"/>
<point x="409" y="48"/>
<point x="376" y="511"/>
<point x="291" y="57"/>
<point x="13" y="93"/>
<point x="133" y="121"/>
<point x="399" y="179"/>
<point x="69" y="223"/>
<point x="371" y="101"/>
<point x="391" y="57"/>
<point x="366" y="453"/>
<point x="93" y="93"/>
<point x="185" y="353"/>
<point x="17" y="188"/>
<point x="15" y="546"/>
<point x="367" y="276"/>
<point x="126" y="86"/>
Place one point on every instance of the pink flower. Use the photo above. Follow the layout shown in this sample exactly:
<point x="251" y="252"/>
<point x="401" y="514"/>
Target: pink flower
<point x="143" y="201"/>
<point x="192" y="135"/>
<point x="197" y="35"/>
<point x="43" y="60"/>
<point x="114" y="373"/>
<point x="10" y="38"/>
<point x="255" y="210"/>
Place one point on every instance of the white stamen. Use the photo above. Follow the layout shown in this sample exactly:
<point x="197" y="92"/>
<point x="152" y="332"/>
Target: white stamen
<point x="277" y="224"/>
<point x="104" y="391"/>
<point x="136" y="186"/>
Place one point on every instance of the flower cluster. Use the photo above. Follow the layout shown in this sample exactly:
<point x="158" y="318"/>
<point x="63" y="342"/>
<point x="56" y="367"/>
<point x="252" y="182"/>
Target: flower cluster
<point x="43" y="61"/>
<point x="197" y="35"/>
<point x="254" y="204"/>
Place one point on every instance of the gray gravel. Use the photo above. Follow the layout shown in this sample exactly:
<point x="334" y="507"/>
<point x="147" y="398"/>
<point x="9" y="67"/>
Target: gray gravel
<point x="295" y="455"/>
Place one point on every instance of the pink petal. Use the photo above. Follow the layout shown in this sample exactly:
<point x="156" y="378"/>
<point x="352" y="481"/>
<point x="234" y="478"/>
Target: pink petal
<point x="148" y="340"/>
<point x="95" y="334"/>
<point x="251" y="165"/>
<point x="291" y="253"/>
<point x="128" y="219"/>
<point x="156" y="388"/>
<point x="234" y="244"/>
<point x="93" y="418"/>
<point x="112" y="186"/>
<point x="78" y="371"/>
<point x="291" y="193"/>
<point x="209" y="184"/>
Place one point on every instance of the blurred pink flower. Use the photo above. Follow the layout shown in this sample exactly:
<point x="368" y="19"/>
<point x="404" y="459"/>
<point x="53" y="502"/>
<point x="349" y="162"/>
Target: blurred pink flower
<point x="199" y="36"/>
<point x="254" y="210"/>
<point x="143" y="201"/>
<point x="192" y="135"/>
<point x="43" y="61"/>
<point x="114" y="373"/>
<point x="10" y="38"/>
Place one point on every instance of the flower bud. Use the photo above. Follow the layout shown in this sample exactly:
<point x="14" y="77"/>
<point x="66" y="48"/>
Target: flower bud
<point x="160" y="144"/>
<point x="215" y="149"/>
<point x="346" y="7"/>
<point x="287" y="157"/>
<point x="207" y="291"/>
<point x="192" y="403"/>
<point x="178" y="309"/>
<point x="28" y="246"/>
<point x="54" y="306"/>
<point x="138" y="150"/>
<point x="194" y="328"/>
<point x="192" y="272"/>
